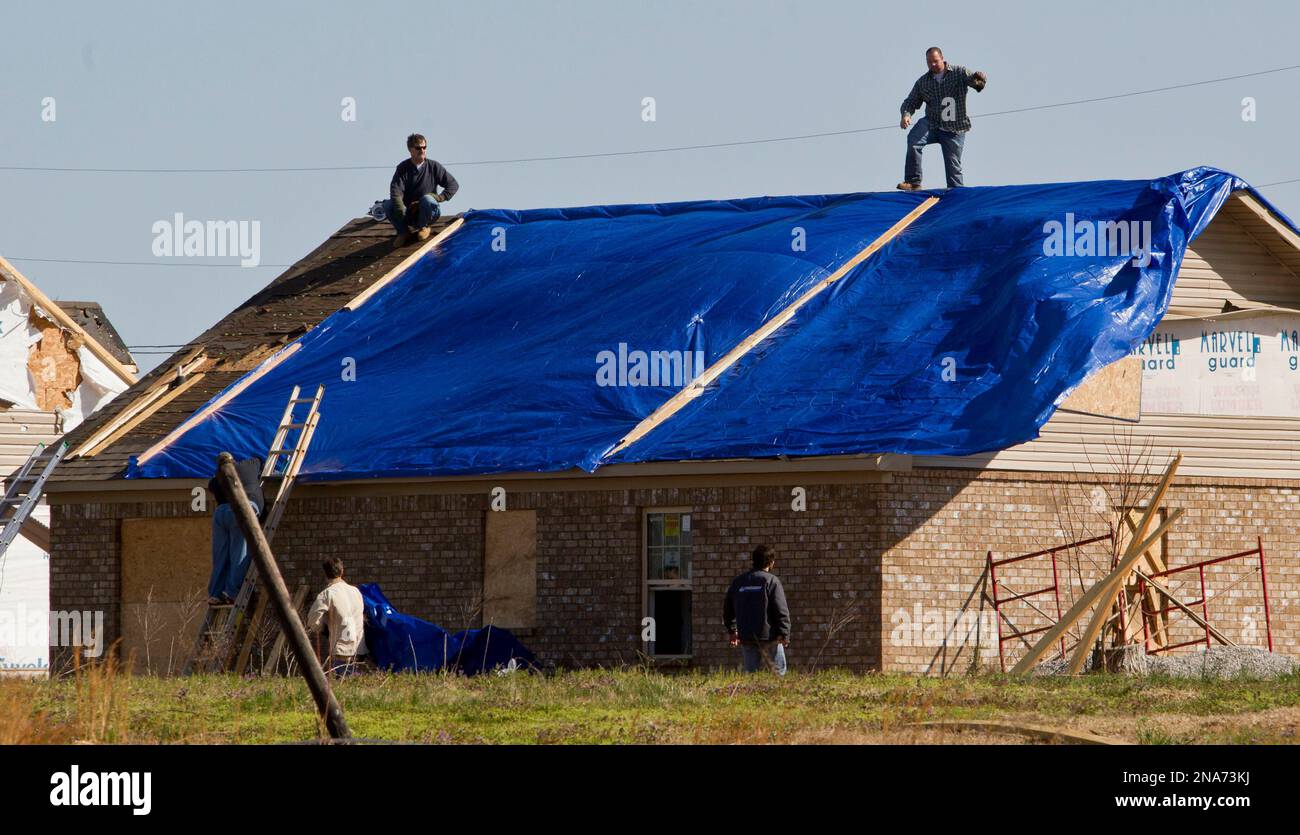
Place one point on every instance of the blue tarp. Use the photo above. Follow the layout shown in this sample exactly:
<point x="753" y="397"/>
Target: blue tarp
<point x="403" y="643"/>
<point x="959" y="336"/>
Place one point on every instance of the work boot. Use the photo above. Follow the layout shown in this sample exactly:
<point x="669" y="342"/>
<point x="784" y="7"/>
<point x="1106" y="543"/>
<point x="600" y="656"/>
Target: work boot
<point x="906" y="186"/>
<point x="402" y="239"/>
<point x="423" y="234"/>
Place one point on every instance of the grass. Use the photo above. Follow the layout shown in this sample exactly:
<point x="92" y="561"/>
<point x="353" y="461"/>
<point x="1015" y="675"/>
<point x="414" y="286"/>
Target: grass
<point x="636" y="705"/>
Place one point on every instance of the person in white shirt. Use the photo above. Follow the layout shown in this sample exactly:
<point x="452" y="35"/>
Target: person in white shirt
<point x="343" y="605"/>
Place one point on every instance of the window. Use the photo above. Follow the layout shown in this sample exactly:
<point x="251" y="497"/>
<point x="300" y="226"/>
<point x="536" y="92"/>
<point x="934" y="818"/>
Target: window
<point x="667" y="566"/>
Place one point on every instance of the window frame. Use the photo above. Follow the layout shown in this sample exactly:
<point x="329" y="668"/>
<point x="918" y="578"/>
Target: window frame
<point x="649" y="586"/>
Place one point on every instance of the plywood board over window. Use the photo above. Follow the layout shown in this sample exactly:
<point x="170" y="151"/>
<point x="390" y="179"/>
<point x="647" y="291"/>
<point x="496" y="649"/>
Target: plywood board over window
<point x="510" y="569"/>
<point x="165" y="568"/>
<point x="1114" y="391"/>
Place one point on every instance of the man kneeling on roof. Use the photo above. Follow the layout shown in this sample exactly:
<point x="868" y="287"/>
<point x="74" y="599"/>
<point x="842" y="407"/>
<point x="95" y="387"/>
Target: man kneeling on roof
<point x="342" y="603"/>
<point x="412" y="205"/>
<point x="229" y="548"/>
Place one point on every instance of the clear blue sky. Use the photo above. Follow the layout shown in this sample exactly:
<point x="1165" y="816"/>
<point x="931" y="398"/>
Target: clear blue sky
<point x="176" y="85"/>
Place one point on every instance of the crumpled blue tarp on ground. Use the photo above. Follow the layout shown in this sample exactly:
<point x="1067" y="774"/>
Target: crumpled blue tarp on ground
<point x="402" y="643"/>
<point x="482" y="357"/>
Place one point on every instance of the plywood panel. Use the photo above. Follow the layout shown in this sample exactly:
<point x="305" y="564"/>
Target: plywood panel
<point x="165" y="568"/>
<point x="1114" y="391"/>
<point x="510" y="569"/>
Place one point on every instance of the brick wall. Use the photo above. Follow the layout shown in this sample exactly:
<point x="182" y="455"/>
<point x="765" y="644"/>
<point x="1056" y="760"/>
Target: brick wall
<point x="939" y="525"/>
<point x="857" y="563"/>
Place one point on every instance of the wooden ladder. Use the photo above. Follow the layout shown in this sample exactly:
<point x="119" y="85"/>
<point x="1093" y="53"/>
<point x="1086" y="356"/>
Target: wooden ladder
<point x="214" y="648"/>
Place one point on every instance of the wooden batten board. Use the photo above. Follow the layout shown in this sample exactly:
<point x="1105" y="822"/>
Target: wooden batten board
<point x="1169" y="595"/>
<point x="1112" y="392"/>
<point x="1089" y="598"/>
<point x="392" y="274"/>
<point x="52" y="311"/>
<point x="144" y="414"/>
<point x="1087" y="601"/>
<point x="1112" y="584"/>
<point x="1109" y="587"/>
<point x="188" y="363"/>
<point x="678" y="401"/>
<point x="234" y="392"/>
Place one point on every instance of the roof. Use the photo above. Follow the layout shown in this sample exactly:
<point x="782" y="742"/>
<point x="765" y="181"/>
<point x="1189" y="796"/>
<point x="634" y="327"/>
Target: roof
<point x="92" y="319"/>
<point x="935" y="323"/>
<point x="346" y="264"/>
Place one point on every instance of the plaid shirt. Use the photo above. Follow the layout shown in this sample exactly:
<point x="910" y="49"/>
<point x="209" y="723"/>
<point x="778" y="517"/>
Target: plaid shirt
<point x="953" y="86"/>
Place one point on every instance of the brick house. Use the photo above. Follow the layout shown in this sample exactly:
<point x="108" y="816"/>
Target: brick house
<point x="883" y="554"/>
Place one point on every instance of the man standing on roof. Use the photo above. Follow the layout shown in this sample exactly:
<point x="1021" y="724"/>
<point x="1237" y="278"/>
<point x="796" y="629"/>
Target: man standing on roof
<point x="343" y="604"/>
<point x="413" y="198"/>
<point x="756" y="615"/>
<point x="229" y="548"/>
<point x="943" y="90"/>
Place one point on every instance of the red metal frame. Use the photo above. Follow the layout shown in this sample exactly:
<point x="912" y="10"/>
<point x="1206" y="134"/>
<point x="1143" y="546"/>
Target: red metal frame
<point x="1054" y="588"/>
<point x="1203" y="602"/>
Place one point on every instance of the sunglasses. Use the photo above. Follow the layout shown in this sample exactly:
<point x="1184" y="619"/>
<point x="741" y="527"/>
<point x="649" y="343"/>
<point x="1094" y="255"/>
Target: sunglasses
<point x="418" y="147"/>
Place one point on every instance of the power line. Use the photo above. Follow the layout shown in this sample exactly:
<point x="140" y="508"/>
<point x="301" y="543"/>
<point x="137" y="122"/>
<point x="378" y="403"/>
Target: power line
<point x="161" y="263"/>
<point x="641" y="151"/>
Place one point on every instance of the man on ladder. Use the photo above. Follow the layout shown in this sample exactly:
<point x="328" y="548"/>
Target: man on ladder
<point x="229" y="549"/>
<point x="231" y="587"/>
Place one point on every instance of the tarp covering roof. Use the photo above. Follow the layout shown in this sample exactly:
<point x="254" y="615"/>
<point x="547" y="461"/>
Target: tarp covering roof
<point x="513" y="346"/>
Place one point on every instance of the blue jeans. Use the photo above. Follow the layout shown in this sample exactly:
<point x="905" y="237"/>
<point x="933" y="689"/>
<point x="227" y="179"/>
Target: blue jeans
<point x="229" y="553"/>
<point x="760" y="655"/>
<point x="921" y="135"/>
<point x="429" y="212"/>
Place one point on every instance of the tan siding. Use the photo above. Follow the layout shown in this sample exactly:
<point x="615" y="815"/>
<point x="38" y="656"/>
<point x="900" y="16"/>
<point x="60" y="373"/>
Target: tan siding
<point x="20" y="432"/>
<point x="1242" y="447"/>
<point x="1229" y="263"/>
<point x="1239" y="259"/>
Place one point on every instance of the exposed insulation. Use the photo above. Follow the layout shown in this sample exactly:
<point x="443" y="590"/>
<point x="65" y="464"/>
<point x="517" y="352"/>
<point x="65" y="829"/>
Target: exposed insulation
<point x="54" y="365"/>
<point x="48" y="365"/>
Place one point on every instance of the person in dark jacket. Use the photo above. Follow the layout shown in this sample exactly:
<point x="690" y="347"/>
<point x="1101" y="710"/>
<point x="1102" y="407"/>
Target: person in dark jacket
<point x="413" y="197"/>
<point x="229" y="549"/>
<point x="756" y="615"/>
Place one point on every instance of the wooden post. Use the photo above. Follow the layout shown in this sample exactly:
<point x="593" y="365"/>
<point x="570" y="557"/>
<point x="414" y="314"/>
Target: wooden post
<point x="326" y="704"/>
